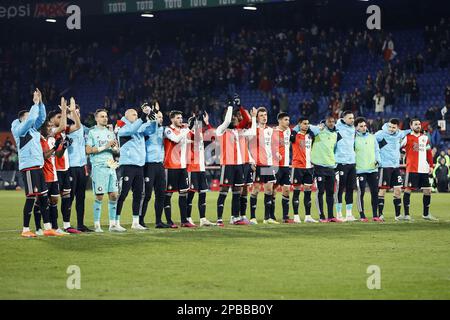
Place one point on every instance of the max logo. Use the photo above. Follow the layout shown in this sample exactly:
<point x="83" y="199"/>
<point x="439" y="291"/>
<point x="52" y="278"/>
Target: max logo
<point x="60" y="9"/>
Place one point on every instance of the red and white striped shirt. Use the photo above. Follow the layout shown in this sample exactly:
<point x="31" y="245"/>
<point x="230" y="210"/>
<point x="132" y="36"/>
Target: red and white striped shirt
<point x="175" y="145"/>
<point x="301" y="151"/>
<point x="262" y="148"/>
<point x="196" y="150"/>
<point x="419" y="158"/>
<point x="281" y="141"/>
<point x="49" y="168"/>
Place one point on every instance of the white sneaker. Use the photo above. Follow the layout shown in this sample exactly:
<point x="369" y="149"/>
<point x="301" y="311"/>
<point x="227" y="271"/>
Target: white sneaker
<point x="206" y="223"/>
<point x="399" y="218"/>
<point x="253" y="221"/>
<point x="339" y="216"/>
<point x="428" y="217"/>
<point x="190" y="220"/>
<point x="309" y="219"/>
<point x="137" y="226"/>
<point x="233" y="220"/>
<point x="270" y="221"/>
<point x="382" y="217"/>
<point x="350" y="218"/>
<point x="297" y="219"/>
<point x="39" y="232"/>
<point x="61" y="231"/>
<point x="98" y="229"/>
<point x="408" y="218"/>
<point x="117" y="228"/>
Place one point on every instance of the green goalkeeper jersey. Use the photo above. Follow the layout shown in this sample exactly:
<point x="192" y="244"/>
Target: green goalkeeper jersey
<point x="99" y="137"/>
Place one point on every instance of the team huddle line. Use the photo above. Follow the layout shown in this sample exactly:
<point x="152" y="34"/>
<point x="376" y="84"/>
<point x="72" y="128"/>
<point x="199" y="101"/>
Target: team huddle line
<point x="338" y="156"/>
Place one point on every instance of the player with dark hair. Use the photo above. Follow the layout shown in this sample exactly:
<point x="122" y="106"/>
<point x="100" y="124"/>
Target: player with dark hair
<point x="175" y="162"/>
<point x="367" y="159"/>
<point x="282" y="143"/>
<point x="302" y="169"/>
<point x="419" y="164"/>
<point x="60" y="130"/>
<point x="322" y="157"/>
<point x="196" y="167"/>
<point x="78" y="166"/>
<point x="31" y="160"/>
<point x="263" y="151"/>
<point x="100" y="146"/>
<point x="346" y="167"/>
<point x="232" y="143"/>
<point x="389" y="140"/>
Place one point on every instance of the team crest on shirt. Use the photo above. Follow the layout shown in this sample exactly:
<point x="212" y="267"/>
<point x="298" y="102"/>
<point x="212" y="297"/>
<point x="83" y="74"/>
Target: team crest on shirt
<point x="126" y="178"/>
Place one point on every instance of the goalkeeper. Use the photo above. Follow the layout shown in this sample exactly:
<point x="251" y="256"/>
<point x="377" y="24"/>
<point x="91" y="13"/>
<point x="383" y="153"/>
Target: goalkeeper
<point x="101" y="145"/>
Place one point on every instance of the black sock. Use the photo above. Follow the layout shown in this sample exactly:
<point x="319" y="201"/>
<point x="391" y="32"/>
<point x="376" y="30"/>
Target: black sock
<point x="406" y="202"/>
<point x="27" y="210"/>
<point x="243" y="204"/>
<point x="272" y="208"/>
<point x="267" y="206"/>
<point x="296" y="200"/>
<point x="307" y="202"/>
<point x="220" y="204"/>
<point x="397" y="206"/>
<point x="380" y="205"/>
<point x="53" y="211"/>
<point x="65" y="207"/>
<point x="426" y="204"/>
<point x="168" y="207"/>
<point x="253" y="201"/>
<point x="43" y="204"/>
<point x="190" y="197"/>
<point x="202" y="204"/>
<point x="285" y="205"/>
<point x="159" y="207"/>
<point x="37" y="216"/>
<point x="182" y="203"/>
<point x="235" y="204"/>
<point x="330" y="204"/>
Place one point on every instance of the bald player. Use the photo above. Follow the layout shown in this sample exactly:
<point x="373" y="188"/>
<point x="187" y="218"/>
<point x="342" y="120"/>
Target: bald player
<point x="132" y="160"/>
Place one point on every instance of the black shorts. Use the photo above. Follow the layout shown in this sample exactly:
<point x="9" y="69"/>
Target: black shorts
<point x="131" y="177"/>
<point x="389" y="178"/>
<point x="249" y="174"/>
<point x="320" y="171"/>
<point x="300" y="176"/>
<point x="198" y="182"/>
<point x="154" y="178"/>
<point x="265" y="174"/>
<point x="283" y="175"/>
<point x="346" y="175"/>
<point x="177" y="180"/>
<point x="414" y="180"/>
<point x="64" y="181"/>
<point x="232" y="175"/>
<point x="53" y="189"/>
<point x="34" y="180"/>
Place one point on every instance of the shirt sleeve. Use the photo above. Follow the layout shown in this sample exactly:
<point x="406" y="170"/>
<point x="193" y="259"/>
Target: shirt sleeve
<point x="90" y="140"/>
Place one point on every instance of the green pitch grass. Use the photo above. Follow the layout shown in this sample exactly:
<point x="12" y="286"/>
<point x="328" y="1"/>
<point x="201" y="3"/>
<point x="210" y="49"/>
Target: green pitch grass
<point x="326" y="261"/>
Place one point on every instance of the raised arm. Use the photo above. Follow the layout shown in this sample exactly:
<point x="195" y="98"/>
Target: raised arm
<point x="42" y="113"/>
<point x="252" y="131"/>
<point x="226" y="122"/>
<point x="19" y="129"/>
<point x="130" y="128"/>
<point x="169" y="134"/>
<point x="74" y="115"/>
<point x="63" y="123"/>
